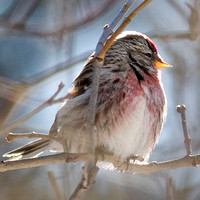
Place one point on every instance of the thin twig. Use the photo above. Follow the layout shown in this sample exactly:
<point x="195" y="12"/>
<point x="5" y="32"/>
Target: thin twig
<point x="50" y="101"/>
<point x="108" y="29"/>
<point x="169" y="189"/>
<point x="122" y="26"/>
<point x="181" y="109"/>
<point x="81" y="187"/>
<point x="88" y="178"/>
<point x="98" y="62"/>
<point x="93" y="99"/>
<point x="12" y="136"/>
<point x="55" y="185"/>
<point x="146" y="168"/>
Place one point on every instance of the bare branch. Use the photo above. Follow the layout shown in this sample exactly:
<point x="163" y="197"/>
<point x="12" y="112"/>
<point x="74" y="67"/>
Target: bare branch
<point x="146" y="168"/>
<point x="12" y="136"/>
<point x="122" y="26"/>
<point x="108" y="29"/>
<point x="50" y="101"/>
<point x="98" y="62"/>
<point x="55" y="185"/>
<point x="181" y="109"/>
<point x="101" y="49"/>
<point x="86" y="181"/>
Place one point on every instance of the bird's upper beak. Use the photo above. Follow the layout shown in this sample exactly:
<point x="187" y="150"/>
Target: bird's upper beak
<point x="159" y="64"/>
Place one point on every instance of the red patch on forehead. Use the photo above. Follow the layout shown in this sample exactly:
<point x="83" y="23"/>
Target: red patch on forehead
<point x="151" y="44"/>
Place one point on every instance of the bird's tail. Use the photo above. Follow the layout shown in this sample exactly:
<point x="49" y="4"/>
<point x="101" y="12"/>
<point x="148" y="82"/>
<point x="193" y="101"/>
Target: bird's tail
<point x="30" y="150"/>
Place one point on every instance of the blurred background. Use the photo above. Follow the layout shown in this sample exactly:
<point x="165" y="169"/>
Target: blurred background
<point x="44" y="42"/>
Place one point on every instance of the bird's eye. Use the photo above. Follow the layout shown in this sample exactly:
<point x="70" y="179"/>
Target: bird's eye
<point x="148" y="55"/>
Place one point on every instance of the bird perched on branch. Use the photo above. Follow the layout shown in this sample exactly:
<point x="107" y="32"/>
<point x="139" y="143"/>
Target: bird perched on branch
<point x="130" y="110"/>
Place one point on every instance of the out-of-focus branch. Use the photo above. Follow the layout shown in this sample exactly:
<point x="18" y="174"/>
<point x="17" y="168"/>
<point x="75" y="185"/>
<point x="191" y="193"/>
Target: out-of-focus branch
<point x="55" y="186"/>
<point x="169" y="189"/>
<point x="172" y="35"/>
<point x="42" y="75"/>
<point x="147" y="168"/>
<point x="181" y="109"/>
<point x="21" y="28"/>
<point x="10" y="93"/>
<point x="193" y="21"/>
<point x="178" y="8"/>
<point x="50" y="101"/>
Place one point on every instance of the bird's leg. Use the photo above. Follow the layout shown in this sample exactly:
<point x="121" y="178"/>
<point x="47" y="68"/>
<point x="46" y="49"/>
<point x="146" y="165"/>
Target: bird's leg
<point x="99" y="152"/>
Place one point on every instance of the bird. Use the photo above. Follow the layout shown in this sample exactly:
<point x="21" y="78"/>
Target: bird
<point x="130" y="110"/>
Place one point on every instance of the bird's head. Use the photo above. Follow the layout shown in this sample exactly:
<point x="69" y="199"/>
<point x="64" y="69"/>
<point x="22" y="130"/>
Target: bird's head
<point x="139" y="50"/>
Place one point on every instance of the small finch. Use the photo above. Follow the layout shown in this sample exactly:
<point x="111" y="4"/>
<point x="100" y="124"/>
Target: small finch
<point x="131" y="104"/>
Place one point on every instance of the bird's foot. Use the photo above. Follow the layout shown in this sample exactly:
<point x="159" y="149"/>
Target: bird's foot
<point x="124" y="165"/>
<point x="134" y="158"/>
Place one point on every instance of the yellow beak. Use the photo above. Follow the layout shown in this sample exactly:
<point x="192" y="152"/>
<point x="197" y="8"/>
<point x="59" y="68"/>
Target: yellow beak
<point x="160" y="64"/>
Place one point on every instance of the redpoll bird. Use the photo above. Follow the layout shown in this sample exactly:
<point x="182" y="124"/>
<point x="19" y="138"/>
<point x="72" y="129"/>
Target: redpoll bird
<point x="131" y="104"/>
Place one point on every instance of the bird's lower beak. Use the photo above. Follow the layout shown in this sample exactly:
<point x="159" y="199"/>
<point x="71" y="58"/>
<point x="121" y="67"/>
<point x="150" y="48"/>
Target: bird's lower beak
<point x="160" y="64"/>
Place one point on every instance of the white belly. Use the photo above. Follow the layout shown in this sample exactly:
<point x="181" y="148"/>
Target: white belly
<point x="131" y="136"/>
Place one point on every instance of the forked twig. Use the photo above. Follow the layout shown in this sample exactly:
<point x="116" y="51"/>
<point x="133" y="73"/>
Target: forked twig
<point x="181" y="109"/>
<point x="108" y="29"/>
<point x="12" y="136"/>
<point x="122" y="26"/>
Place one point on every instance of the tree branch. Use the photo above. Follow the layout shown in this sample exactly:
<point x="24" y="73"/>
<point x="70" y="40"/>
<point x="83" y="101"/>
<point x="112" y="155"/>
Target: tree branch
<point x="12" y="136"/>
<point x="147" y="168"/>
<point x="122" y="26"/>
<point x="108" y="29"/>
<point x="98" y="62"/>
<point x="181" y="109"/>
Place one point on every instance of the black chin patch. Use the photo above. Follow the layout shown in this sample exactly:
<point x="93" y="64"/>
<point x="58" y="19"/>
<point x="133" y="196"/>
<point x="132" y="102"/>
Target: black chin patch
<point x="134" y="63"/>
